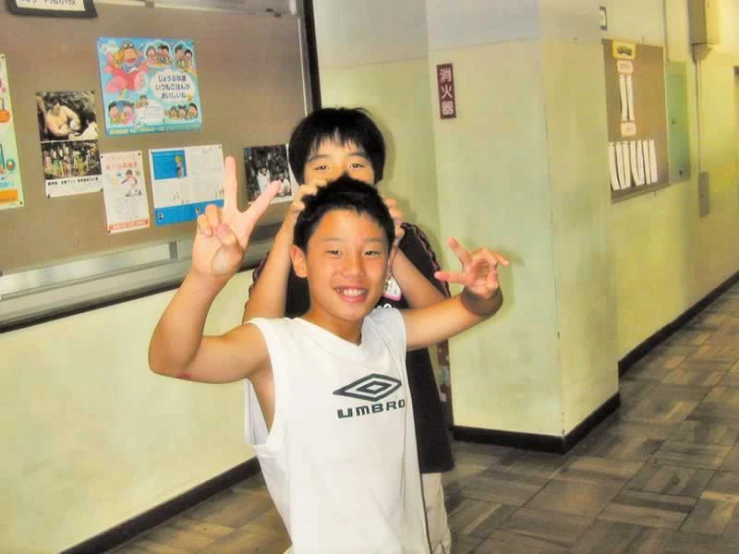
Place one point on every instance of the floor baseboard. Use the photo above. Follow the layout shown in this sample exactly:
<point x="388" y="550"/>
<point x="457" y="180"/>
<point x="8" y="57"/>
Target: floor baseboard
<point x="540" y="443"/>
<point x="630" y="359"/>
<point x="127" y="530"/>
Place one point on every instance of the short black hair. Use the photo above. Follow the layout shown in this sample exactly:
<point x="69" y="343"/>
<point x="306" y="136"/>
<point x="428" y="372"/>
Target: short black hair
<point x="178" y="48"/>
<point x="342" y="125"/>
<point x="345" y="193"/>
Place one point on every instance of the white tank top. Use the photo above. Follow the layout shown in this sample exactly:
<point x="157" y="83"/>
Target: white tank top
<point x="340" y="461"/>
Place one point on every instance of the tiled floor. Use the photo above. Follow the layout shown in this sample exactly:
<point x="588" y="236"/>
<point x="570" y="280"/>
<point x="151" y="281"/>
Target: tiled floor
<point x="661" y="475"/>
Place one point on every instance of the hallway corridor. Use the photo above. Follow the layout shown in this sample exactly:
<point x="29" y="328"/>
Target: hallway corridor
<point x="660" y="475"/>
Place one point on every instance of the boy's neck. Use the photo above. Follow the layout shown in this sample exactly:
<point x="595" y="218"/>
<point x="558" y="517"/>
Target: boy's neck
<point x="350" y="331"/>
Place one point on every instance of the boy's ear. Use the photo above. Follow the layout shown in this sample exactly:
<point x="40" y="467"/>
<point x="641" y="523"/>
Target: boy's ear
<point x="299" y="263"/>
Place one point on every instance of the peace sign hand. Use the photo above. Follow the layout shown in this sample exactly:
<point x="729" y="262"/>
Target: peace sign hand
<point x="223" y="234"/>
<point x="479" y="274"/>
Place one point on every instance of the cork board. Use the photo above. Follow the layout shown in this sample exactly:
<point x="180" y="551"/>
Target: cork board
<point x="637" y="120"/>
<point x="251" y="89"/>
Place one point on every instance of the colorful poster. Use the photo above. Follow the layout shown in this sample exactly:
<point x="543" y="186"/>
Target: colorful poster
<point x="265" y="164"/>
<point x="69" y="142"/>
<point x="11" y="189"/>
<point x="124" y="191"/>
<point x="150" y="85"/>
<point x="184" y="181"/>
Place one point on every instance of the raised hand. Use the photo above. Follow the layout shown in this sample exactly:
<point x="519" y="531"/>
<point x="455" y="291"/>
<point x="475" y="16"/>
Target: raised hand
<point x="298" y="204"/>
<point x="223" y="234"/>
<point x="479" y="273"/>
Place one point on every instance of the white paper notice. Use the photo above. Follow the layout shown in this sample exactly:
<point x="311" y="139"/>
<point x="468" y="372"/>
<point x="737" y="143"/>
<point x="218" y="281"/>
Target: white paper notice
<point x="184" y="181"/>
<point x="124" y="190"/>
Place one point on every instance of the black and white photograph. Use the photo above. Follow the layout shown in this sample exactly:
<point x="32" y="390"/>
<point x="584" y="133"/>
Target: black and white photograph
<point x="265" y="164"/>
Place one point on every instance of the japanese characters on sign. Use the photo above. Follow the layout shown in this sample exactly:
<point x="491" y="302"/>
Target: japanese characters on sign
<point x="447" y="97"/>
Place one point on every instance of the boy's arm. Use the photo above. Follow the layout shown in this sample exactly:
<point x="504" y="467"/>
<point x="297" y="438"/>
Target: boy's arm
<point x="480" y="299"/>
<point x="178" y="348"/>
<point x="415" y="276"/>
<point x="268" y="294"/>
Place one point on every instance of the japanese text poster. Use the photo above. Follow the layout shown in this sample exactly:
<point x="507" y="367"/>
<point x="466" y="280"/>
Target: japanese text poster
<point x="150" y="85"/>
<point x="637" y="116"/>
<point x="69" y="142"/>
<point x="124" y="191"/>
<point x="11" y="190"/>
<point x="184" y="181"/>
<point x="265" y="164"/>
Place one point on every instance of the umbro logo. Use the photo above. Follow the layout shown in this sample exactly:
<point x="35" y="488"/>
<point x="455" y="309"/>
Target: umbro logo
<point x="373" y="387"/>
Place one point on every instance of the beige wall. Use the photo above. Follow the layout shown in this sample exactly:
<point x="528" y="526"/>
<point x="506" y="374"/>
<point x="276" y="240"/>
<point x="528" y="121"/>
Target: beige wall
<point x="92" y="438"/>
<point x="580" y="199"/>
<point x="666" y="258"/>
<point x="492" y="170"/>
<point x="527" y="158"/>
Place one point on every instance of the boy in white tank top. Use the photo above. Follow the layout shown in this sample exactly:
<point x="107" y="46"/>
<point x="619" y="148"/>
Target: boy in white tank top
<point x="334" y="431"/>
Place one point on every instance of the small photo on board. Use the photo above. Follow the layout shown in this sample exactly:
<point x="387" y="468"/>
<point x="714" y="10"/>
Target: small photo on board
<point x="63" y="160"/>
<point x="66" y="115"/>
<point x="264" y="165"/>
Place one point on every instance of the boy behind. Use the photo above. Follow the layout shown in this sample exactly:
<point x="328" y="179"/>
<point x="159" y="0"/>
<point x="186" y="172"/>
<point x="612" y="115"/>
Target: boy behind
<point x="337" y="436"/>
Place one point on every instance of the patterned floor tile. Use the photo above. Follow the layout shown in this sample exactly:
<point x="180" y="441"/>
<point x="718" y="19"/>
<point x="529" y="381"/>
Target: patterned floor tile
<point x="710" y="517"/>
<point x="611" y="537"/>
<point x="648" y="509"/>
<point x="462" y="544"/>
<point x="707" y="432"/>
<point x="478" y="517"/>
<point x="578" y="498"/>
<point x="619" y="447"/>
<point x="557" y="528"/>
<point x="503" y="488"/>
<point x="503" y="542"/>
<point x="671" y="480"/>
<point x="598" y="470"/>
<point x="690" y="454"/>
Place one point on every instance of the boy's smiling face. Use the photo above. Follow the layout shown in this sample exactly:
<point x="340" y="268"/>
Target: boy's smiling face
<point x="331" y="160"/>
<point x="346" y="267"/>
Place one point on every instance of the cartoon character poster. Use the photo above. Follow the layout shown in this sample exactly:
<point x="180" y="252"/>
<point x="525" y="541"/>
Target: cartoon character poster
<point x="11" y="190"/>
<point x="150" y="85"/>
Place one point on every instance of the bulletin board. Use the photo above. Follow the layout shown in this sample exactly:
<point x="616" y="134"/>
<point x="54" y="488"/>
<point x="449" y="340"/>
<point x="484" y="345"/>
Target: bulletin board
<point x="251" y="91"/>
<point x="637" y="119"/>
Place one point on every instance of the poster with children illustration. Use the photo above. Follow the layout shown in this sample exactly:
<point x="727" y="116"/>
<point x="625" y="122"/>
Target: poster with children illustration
<point x="264" y="165"/>
<point x="124" y="191"/>
<point x="11" y="190"/>
<point x="150" y="85"/>
<point x="69" y="142"/>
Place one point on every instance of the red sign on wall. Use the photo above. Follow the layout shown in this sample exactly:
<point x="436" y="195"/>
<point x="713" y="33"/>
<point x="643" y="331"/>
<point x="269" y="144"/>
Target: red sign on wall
<point x="447" y="99"/>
